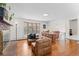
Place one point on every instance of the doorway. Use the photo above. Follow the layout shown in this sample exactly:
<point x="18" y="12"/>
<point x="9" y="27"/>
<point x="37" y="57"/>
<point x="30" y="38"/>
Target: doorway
<point x="73" y="27"/>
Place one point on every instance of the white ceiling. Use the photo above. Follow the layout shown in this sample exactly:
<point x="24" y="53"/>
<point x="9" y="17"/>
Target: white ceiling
<point x="55" y="11"/>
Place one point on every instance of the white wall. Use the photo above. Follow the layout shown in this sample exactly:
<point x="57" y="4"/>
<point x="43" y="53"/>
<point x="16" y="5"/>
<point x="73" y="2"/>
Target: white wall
<point x="57" y="25"/>
<point x="62" y="26"/>
<point x="54" y="25"/>
<point x="20" y="28"/>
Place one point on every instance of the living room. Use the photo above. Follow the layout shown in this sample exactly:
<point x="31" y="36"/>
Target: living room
<point x="51" y="26"/>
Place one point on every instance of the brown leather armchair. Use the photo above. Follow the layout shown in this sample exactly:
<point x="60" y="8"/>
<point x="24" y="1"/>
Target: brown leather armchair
<point x="42" y="46"/>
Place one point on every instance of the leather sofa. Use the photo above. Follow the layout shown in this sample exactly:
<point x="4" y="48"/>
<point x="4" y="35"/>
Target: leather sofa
<point x="54" y="35"/>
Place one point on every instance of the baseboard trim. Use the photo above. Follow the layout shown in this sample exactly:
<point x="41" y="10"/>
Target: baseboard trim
<point x="19" y="40"/>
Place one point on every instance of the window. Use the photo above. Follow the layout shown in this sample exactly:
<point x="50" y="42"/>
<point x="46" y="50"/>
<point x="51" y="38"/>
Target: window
<point x="31" y="27"/>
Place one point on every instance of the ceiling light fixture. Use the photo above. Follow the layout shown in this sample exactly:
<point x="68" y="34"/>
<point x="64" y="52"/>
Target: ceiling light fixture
<point x="45" y="14"/>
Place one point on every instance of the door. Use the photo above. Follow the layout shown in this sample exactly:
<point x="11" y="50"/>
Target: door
<point x="73" y="27"/>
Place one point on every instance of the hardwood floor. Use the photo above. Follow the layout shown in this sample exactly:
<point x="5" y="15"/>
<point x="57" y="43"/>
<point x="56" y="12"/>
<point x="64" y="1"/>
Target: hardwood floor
<point x="59" y="48"/>
<point x="23" y="49"/>
<point x="10" y="50"/>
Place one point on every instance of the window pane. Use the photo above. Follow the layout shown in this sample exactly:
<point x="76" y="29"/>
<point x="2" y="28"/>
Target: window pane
<point x="31" y="28"/>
